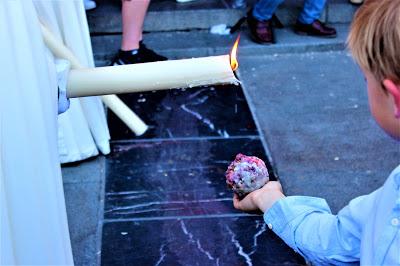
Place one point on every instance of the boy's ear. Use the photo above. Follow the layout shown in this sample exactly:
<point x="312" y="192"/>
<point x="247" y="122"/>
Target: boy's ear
<point x="394" y="91"/>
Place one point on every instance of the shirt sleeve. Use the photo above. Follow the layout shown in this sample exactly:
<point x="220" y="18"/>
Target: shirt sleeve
<point x="307" y="225"/>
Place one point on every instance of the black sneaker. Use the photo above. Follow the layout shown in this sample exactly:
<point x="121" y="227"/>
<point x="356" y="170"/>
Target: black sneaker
<point x="149" y="54"/>
<point x="141" y="55"/>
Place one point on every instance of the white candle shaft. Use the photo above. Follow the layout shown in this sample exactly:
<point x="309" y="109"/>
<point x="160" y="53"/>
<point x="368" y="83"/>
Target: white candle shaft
<point x="130" y="119"/>
<point x="150" y="76"/>
<point x="58" y="48"/>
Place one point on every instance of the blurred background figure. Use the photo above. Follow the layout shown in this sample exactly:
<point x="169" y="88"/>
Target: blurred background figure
<point x="261" y="19"/>
<point x="133" y="50"/>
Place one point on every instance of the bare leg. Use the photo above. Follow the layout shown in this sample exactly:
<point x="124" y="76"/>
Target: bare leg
<point x="132" y="50"/>
<point x="133" y="14"/>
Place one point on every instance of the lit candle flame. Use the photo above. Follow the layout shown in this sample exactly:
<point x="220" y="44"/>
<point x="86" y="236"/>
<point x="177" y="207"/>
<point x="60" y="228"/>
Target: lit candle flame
<point x="233" y="56"/>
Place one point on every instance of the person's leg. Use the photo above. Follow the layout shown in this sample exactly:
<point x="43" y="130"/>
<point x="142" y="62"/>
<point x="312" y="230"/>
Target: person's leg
<point x="133" y="14"/>
<point x="308" y="22"/>
<point x="312" y="11"/>
<point x="259" y="20"/>
<point x="264" y="9"/>
<point x="133" y="50"/>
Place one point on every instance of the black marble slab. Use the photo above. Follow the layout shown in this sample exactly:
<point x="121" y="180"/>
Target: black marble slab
<point x="166" y="200"/>
<point x="206" y="241"/>
<point x="203" y="111"/>
<point x="173" y="177"/>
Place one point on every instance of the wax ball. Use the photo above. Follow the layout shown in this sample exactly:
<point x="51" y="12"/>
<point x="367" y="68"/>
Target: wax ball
<point x="246" y="174"/>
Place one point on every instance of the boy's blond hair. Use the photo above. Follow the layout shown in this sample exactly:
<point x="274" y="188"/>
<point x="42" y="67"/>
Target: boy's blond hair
<point x="374" y="38"/>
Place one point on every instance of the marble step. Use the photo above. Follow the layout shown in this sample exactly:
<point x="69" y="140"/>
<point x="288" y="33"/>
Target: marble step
<point x="202" y="43"/>
<point x="207" y="242"/>
<point x="166" y="194"/>
<point x="167" y="15"/>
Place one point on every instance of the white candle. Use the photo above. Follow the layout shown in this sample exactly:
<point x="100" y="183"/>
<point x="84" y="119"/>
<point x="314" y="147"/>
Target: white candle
<point x="131" y="120"/>
<point x="150" y="76"/>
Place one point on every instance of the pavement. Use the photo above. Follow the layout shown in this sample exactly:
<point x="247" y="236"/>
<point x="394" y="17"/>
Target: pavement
<point x="84" y="198"/>
<point x="307" y="98"/>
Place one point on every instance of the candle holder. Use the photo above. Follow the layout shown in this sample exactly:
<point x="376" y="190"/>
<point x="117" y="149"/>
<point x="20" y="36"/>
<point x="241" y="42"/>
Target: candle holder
<point x="122" y="111"/>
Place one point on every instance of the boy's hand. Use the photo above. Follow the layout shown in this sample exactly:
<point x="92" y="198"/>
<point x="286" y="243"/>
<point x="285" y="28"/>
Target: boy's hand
<point x="261" y="199"/>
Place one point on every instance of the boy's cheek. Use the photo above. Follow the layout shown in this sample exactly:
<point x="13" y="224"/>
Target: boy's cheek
<point x="383" y="110"/>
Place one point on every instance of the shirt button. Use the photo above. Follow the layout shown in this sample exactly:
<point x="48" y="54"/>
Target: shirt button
<point x="270" y="226"/>
<point x="395" y="222"/>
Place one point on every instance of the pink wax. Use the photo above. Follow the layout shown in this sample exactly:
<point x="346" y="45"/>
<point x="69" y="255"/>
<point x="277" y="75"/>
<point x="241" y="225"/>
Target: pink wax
<point x="246" y="174"/>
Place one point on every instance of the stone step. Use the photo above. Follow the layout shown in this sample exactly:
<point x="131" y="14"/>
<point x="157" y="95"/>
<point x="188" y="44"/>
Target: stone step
<point x="177" y="45"/>
<point x="167" y="15"/>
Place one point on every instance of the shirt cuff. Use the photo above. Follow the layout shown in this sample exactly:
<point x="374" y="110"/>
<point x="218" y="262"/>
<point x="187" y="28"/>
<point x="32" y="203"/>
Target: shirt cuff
<point x="287" y="213"/>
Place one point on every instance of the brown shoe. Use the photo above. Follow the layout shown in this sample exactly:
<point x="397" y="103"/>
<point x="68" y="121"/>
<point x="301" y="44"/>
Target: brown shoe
<point x="317" y="28"/>
<point x="260" y="30"/>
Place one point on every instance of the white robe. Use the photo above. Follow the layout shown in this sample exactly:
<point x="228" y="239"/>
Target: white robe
<point x="83" y="128"/>
<point x="34" y="228"/>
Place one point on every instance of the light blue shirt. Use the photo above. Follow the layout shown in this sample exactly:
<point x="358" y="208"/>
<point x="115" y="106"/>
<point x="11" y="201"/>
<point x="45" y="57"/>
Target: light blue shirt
<point x="366" y="231"/>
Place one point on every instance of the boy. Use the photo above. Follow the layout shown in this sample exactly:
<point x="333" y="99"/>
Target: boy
<point x="368" y="229"/>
